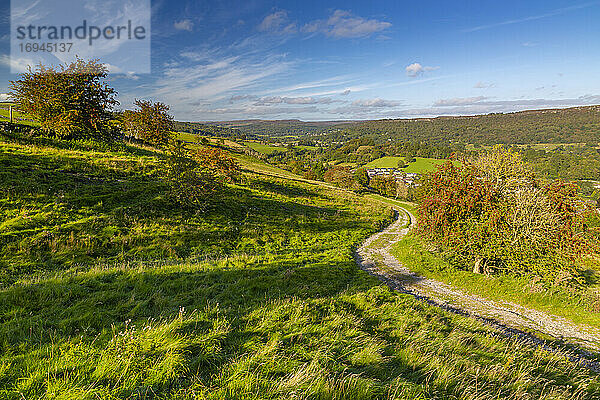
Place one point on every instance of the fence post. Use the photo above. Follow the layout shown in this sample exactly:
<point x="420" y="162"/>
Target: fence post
<point x="10" y="113"/>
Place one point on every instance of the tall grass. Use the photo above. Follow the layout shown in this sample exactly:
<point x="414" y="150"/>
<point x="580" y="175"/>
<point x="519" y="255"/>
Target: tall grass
<point x="110" y="293"/>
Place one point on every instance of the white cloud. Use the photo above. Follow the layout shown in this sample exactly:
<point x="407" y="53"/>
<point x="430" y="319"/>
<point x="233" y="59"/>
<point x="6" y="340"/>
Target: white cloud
<point x="343" y="24"/>
<point x="255" y="111"/>
<point x="294" y="100"/>
<point x="459" y="101"/>
<point x="552" y="13"/>
<point x="529" y="44"/>
<point x="365" y="108"/>
<point x="210" y="76"/>
<point x="4" y="97"/>
<point x="416" y="69"/>
<point x="479" y="105"/>
<point x="184" y="25"/>
<point x="278" y="23"/>
<point x="240" y="97"/>
<point x="483" y="85"/>
<point x="375" y="103"/>
<point x="18" y="65"/>
<point x="345" y="92"/>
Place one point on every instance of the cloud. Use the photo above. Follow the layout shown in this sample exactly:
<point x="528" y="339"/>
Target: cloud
<point x="16" y="64"/>
<point x="483" y="85"/>
<point x="211" y="75"/>
<point x="529" y="44"/>
<point x="278" y="23"/>
<point x="343" y="24"/>
<point x="479" y="105"/>
<point x="552" y="13"/>
<point x="184" y="25"/>
<point x="460" y="101"/>
<point x="416" y="69"/>
<point x="375" y="103"/>
<point x="240" y="97"/>
<point x="365" y="108"/>
<point x="256" y="111"/>
<point x="504" y="105"/>
<point x="294" y="100"/>
<point x="4" y="97"/>
<point x="345" y="92"/>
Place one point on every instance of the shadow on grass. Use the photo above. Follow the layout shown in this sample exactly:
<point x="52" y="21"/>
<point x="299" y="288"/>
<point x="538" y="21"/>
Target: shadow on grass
<point x="91" y="302"/>
<point x="65" y="210"/>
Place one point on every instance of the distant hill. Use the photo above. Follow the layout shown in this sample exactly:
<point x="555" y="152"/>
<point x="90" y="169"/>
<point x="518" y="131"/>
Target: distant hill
<point x="570" y="125"/>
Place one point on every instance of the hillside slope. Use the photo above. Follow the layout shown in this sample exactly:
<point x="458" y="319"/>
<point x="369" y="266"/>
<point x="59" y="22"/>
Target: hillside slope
<point x="109" y="291"/>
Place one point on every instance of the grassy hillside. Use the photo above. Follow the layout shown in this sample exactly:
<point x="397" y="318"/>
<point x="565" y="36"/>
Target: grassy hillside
<point x="420" y="166"/>
<point x="109" y="291"/>
<point x="264" y="148"/>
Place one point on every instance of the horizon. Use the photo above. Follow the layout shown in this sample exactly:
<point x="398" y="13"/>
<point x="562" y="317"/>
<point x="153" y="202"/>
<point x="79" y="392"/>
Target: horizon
<point x="407" y="118"/>
<point x="349" y="61"/>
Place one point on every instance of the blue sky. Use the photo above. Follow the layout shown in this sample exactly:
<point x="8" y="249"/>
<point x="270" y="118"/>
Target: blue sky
<point x="316" y="60"/>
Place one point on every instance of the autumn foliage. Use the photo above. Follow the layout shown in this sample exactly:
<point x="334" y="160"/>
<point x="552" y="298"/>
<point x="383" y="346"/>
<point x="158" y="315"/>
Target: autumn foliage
<point x="493" y="216"/>
<point x="195" y="175"/>
<point x="151" y="123"/>
<point x="70" y="101"/>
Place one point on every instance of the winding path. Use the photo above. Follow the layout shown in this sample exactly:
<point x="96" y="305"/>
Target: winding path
<point x="577" y="342"/>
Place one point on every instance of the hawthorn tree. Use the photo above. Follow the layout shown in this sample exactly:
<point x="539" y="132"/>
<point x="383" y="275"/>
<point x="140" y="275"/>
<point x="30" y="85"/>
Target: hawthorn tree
<point x="70" y="100"/>
<point x="491" y="214"/>
<point x="195" y="175"/>
<point x="342" y="177"/>
<point x="151" y="123"/>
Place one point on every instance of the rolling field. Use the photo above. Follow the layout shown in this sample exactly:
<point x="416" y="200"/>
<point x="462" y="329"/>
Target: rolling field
<point x="385" y="162"/>
<point x="109" y="291"/>
<point x="264" y="148"/>
<point x="420" y="166"/>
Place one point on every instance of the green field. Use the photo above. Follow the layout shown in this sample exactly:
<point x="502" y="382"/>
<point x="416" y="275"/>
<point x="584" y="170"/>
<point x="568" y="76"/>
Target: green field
<point x="18" y="117"/>
<point x="420" y="166"/>
<point x="264" y="148"/>
<point x="110" y="291"/>
<point x="385" y="162"/>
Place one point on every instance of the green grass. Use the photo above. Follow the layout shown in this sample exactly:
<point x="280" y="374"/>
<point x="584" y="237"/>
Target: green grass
<point x="18" y="117"/>
<point x="424" y="165"/>
<point x="420" y="166"/>
<point x="109" y="291"/>
<point x="385" y="162"/>
<point x="264" y="148"/>
<point x="411" y="252"/>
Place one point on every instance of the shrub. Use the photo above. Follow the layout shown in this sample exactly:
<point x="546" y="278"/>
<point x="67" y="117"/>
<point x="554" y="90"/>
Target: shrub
<point x="342" y="177"/>
<point x="71" y="100"/>
<point x="150" y="123"/>
<point x="493" y="214"/>
<point x="194" y="175"/>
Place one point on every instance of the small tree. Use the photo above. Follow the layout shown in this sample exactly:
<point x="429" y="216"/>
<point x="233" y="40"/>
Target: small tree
<point x="194" y="175"/>
<point x="150" y="123"/>
<point x="494" y="215"/>
<point x="70" y="100"/>
<point x="342" y="177"/>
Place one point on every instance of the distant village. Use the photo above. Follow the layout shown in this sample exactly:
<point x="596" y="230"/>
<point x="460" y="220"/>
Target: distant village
<point x="409" y="178"/>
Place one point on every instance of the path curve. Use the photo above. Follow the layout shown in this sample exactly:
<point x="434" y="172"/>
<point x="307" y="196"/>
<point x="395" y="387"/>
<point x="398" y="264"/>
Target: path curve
<point x="508" y="318"/>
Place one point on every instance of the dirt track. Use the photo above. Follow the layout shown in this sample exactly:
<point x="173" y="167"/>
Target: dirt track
<point x="578" y="342"/>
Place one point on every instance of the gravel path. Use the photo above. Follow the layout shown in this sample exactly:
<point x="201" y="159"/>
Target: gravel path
<point x="578" y="342"/>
